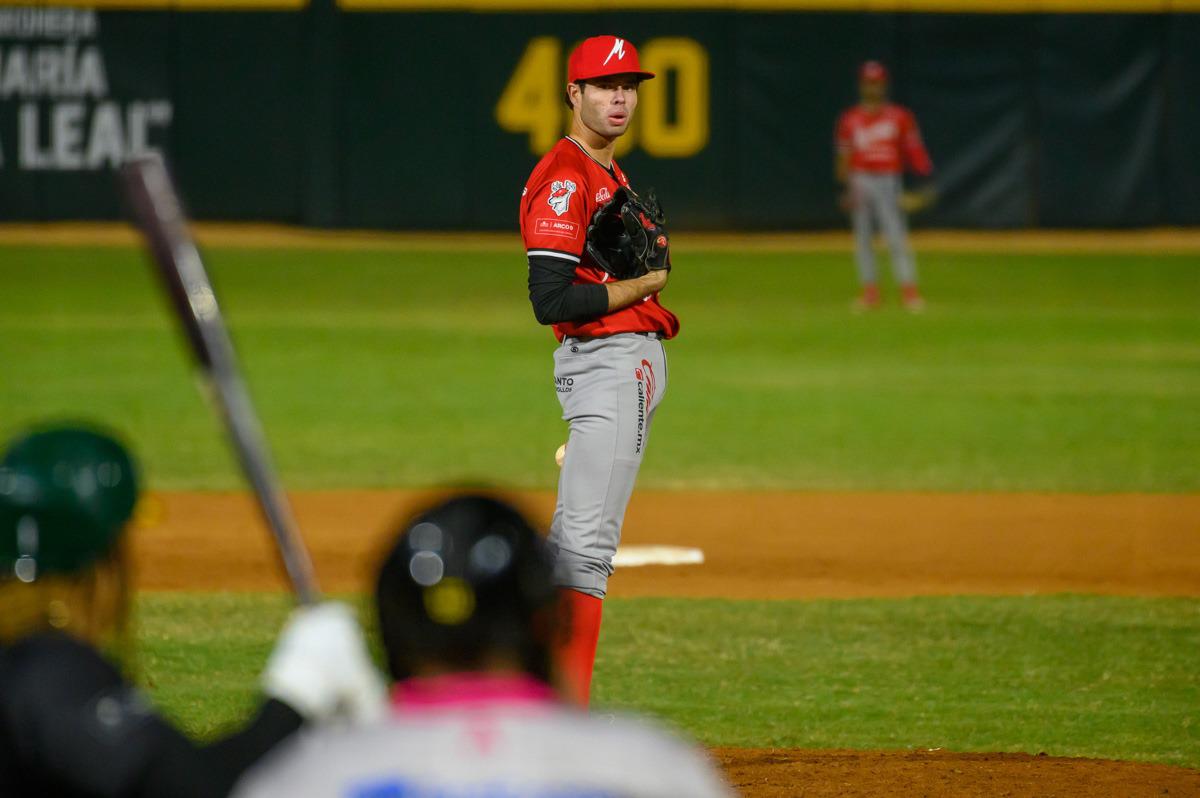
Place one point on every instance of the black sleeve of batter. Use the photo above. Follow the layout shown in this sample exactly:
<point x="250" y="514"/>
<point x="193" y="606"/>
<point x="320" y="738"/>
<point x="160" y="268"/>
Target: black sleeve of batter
<point x="74" y="726"/>
<point x="212" y="770"/>
<point x="555" y="297"/>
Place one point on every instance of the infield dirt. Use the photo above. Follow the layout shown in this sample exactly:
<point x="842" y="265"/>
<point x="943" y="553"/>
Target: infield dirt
<point x="774" y="773"/>
<point x="756" y="544"/>
<point x="777" y="546"/>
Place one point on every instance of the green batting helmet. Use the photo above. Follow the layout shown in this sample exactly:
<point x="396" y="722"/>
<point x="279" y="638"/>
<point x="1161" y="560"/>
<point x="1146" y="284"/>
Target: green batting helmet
<point x="65" y="495"/>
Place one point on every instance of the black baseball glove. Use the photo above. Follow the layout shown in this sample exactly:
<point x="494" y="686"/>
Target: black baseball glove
<point x="626" y="236"/>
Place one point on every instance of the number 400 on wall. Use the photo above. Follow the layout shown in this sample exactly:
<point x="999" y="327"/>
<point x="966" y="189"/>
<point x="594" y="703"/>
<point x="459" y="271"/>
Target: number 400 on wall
<point x="666" y="124"/>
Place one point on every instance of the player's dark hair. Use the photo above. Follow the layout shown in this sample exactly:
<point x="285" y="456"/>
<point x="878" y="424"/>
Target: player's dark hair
<point x="567" y="94"/>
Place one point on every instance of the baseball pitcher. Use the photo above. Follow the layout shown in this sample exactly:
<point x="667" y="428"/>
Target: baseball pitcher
<point x="598" y="258"/>
<point x="875" y="140"/>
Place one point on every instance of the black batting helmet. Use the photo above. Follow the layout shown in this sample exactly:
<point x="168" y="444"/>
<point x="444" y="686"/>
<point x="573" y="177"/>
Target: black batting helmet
<point x="466" y="578"/>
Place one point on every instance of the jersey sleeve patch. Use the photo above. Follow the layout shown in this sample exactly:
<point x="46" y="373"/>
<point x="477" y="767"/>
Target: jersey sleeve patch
<point x="560" y="195"/>
<point x="547" y="226"/>
<point x="554" y="213"/>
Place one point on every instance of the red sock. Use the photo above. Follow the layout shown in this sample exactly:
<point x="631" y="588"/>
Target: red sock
<point x="577" y="651"/>
<point x="870" y="294"/>
<point x="910" y="292"/>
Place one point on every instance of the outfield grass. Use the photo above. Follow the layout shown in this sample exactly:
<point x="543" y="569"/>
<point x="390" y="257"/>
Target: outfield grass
<point x="1077" y="373"/>
<point x="1068" y="675"/>
<point x="1055" y="373"/>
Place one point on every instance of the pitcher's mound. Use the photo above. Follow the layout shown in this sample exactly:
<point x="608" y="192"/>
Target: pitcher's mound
<point x="798" y="773"/>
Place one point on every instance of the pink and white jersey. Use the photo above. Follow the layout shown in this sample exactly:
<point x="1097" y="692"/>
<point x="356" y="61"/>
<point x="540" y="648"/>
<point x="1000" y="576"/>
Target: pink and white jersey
<point x="485" y="737"/>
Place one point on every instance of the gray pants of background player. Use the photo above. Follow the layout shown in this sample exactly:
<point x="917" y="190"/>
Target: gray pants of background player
<point x="609" y="389"/>
<point x="877" y="201"/>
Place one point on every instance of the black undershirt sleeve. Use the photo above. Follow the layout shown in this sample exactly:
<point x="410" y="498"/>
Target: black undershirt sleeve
<point x="73" y="726"/>
<point x="212" y="770"/>
<point x="555" y="296"/>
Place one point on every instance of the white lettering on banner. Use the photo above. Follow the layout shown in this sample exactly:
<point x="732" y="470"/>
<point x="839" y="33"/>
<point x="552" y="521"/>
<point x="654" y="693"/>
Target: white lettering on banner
<point x="28" y="138"/>
<point x="52" y="71"/>
<point x="67" y="121"/>
<point x="74" y="137"/>
<point x="17" y="22"/>
<point x="107" y="144"/>
<point x="67" y="138"/>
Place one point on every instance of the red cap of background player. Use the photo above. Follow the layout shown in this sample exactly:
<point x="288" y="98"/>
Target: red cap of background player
<point x="874" y="71"/>
<point x="600" y="56"/>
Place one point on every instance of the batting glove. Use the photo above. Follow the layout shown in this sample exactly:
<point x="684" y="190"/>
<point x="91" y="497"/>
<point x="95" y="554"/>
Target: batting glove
<point x="320" y="666"/>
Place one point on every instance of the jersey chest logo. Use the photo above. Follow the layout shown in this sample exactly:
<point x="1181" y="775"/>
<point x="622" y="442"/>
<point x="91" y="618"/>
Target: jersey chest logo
<point x="876" y="133"/>
<point x="560" y="195"/>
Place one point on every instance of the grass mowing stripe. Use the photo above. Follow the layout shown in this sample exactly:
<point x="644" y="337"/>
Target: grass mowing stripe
<point x="1028" y="372"/>
<point x="201" y="654"/>
<point x="1069" y="675"/>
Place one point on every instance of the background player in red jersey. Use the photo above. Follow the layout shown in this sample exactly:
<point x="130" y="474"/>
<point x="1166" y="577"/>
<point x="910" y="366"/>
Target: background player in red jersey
<point x="875" y="140"/>
<point x="610" y="368"/>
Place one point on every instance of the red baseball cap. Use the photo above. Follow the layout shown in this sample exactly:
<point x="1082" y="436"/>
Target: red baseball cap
<point x="874" y="71"/>
<point x="600" y="56"/>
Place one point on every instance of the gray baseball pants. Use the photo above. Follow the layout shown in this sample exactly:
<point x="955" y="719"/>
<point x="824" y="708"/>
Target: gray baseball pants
<point x="609" y="389"/>
<point x="877" y="201"/>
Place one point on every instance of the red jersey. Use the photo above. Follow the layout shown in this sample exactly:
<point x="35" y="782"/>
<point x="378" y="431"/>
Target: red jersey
<point x="563" y="191"/>
<point x="882" y="141"/>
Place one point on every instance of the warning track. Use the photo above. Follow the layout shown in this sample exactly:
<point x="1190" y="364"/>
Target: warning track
<point x="271" y="236"/>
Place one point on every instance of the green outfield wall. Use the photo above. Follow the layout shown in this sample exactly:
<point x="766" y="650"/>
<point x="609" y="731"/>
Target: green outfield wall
<point x="431" y="113"/>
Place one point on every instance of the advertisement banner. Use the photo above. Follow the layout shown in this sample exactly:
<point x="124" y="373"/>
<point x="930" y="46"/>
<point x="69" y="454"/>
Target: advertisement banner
<point x="430" y="115"/>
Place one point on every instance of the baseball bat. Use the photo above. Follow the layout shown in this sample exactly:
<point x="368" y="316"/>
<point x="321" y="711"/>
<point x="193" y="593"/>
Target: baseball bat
<point x="158" y="213"/>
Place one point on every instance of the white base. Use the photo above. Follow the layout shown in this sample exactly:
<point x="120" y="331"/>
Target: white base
<point x="633" y="556"/>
